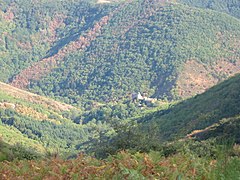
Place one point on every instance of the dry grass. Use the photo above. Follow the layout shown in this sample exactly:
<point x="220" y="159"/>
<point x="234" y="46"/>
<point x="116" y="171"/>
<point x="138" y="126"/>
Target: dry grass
<point x="196" y="78"/>
<point x="33" y="98"/>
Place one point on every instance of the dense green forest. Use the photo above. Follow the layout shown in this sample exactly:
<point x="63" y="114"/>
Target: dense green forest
<point x="90" y="51"/>
<point x="231" y="7"/>
<point x="146" y="54"/>
<point x="33" y="30"/>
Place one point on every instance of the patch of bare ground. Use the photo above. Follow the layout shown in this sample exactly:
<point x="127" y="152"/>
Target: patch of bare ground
<point x="9" y="15"/>
<point x="196" y="77"/>
<point x="202" y="132"/>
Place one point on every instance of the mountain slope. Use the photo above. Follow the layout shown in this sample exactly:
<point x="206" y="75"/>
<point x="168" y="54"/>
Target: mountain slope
<point x="155" y="51"/>
<point x="29" y="36"/>
<point x="231" y="7"/>
<point x="40" y="123"/>
<point x="103" y="51"/>
<point x="218" y="103"/>
<point x="226" y="129"/>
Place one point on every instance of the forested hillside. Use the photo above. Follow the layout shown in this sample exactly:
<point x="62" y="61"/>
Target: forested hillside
<point x="216" y="110"/>
<point x="211" y="116"/>
<point x="78" y="51"/>
<point x="231" y="7"/>
<point x="152" y="52"/>
<point x="31" y="31"/>
<point x="41" y="124"/>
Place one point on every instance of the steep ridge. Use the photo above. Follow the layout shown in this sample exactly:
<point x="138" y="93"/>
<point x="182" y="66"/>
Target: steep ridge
<point x="227" y="128"/>
<point x="39" y="69"/>
<point x="43" y="67"/>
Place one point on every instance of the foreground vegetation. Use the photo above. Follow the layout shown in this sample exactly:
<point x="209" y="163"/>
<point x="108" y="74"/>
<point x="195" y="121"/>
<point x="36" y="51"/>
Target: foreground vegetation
<point x="136" y="148"/>
<point x="191" y="161"/>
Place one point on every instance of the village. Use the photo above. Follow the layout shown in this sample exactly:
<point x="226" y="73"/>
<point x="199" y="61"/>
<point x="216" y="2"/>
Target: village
<point x="143" y="99"/>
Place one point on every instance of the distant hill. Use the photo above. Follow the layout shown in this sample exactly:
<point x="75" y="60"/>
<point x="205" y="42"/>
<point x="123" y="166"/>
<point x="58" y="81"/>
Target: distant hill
<point x="231" y="7"/>
<point x="165" y="50"/>
<point x="104" y="51"/>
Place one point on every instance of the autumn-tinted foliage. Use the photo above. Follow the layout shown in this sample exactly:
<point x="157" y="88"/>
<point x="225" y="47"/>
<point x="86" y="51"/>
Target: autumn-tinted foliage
<point x="79" y="51"/>
<point x="184" y="164"/>
<point x="144" y="47"/>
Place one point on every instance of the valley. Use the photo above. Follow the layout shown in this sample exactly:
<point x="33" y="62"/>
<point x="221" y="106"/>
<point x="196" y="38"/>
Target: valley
<point x="119" y="89"/>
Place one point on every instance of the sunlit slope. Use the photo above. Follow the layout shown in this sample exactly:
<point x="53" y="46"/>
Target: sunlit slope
<point x="166" y="50"/>
<point x="38" y="122"/>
